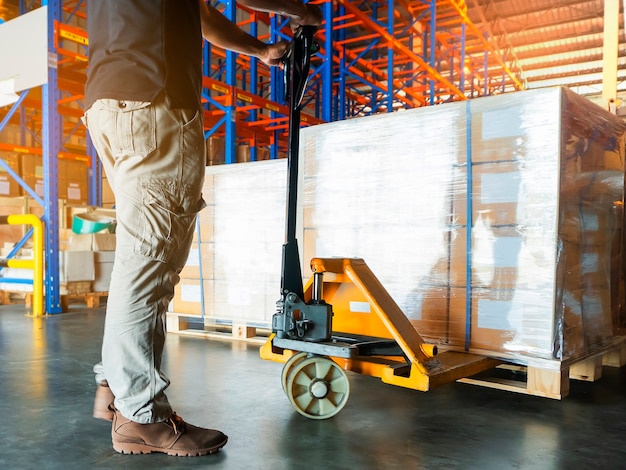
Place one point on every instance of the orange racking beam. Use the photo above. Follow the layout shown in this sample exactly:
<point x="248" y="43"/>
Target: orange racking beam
<point x="70" y="7"/>
<point x="367" y="65"/>
<point x="263" y="103"/>
<point x="39" y="151"/>
<point x="231" y="95"/>
<point x="441" y="37"/>
<point x="398" y="46"/>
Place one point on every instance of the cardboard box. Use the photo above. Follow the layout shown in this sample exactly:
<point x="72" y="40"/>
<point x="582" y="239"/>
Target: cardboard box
<point x="189" y="297"/>
<point x="76" y="177"/>
<point x="103" y="242"/>
<point x="70" y="241"/>
<point x="243" y="153"/>
<point x="206" y="216"/>
<point x="199" y="255"/>
<point x="232" y="302"/>
<point x="262" y="153"/>
<point x="77" y="266"/>
<point x="546" y="169"/>
<point x="9" y="206"/>
<point x="103" y="269"/>
<point x="8" y="185"/>
<point x="108" y="197"/>
<point x="32" y="174"/>
<point x="215" y="150"/>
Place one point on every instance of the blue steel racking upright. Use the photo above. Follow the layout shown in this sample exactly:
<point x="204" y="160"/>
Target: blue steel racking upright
<point x="376" y="56"/>
<point x="51" y="143"/>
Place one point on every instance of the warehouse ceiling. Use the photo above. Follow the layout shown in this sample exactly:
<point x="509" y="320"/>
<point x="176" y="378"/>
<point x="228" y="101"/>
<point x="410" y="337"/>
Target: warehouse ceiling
<point x="551" y="42"/>
<point x="544" y="42"/>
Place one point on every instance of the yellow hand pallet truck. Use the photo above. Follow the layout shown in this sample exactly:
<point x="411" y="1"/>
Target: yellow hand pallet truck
<point x="343" y="319"/>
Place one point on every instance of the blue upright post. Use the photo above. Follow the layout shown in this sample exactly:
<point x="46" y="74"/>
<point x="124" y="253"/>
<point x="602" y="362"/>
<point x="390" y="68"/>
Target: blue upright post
<point x="275" y="85"/>
<point x="433" y="46"/>
<point x="390" y="55"/>
<point x="503" y="73"/>
<point x="486" y="74"/>
<point x="462" y="64"/>
<point x="254" y="87"/>
<point x="374" y="93"/>
<point x="95" y="175"/>
<point x="51" y="140"/>
<point x="327" y="73"/>
<point x="342" y="104"/>
<point x="231" y="69"/>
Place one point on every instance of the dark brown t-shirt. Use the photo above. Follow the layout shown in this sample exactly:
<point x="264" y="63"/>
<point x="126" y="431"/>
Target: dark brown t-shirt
<point x="140" y="48"/>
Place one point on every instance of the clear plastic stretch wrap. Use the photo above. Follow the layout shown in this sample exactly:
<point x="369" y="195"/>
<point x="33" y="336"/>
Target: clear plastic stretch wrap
<point x="241" y="233"/>
<point x="495" y="223"/>
<point x="248" y="239"/>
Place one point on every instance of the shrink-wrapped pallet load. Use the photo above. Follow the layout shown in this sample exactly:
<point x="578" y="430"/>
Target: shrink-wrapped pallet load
<point x="494" y="223"/>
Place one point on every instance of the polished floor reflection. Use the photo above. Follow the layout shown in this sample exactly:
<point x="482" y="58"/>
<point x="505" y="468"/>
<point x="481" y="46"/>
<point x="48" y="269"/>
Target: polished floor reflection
<point x="46" y="391"/>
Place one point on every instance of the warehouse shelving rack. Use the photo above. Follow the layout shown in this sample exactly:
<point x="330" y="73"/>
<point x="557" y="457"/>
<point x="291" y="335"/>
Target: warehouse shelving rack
<point x="374" y="56"/>
<point x="49" y="118"/>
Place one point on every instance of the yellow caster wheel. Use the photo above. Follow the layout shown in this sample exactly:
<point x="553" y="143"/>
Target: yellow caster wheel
<point x="293" y="360"/>
<point x="317" y="387"/>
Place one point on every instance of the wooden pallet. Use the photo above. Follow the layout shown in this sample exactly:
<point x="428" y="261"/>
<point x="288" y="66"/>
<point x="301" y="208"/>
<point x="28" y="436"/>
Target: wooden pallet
<point x="10" y="297"/>
<point x="552" y="382"/>
<point x="193" y="326"/>
<point x="548" y="379"/>
<point x="89" y="299"/>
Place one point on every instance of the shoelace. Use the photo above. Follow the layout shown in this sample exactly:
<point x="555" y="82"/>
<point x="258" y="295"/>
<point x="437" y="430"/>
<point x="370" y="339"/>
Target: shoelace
<point x="177" y="423"/>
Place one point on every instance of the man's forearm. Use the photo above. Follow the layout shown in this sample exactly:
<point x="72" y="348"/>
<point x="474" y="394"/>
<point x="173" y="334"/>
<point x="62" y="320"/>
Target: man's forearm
<point x="218" y="30"/>
<point x="293" y="8"/>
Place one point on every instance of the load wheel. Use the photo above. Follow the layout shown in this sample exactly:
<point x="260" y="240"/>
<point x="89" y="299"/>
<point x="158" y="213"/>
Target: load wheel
<point x="317" y="387"/>
<point x="293" y="360"/>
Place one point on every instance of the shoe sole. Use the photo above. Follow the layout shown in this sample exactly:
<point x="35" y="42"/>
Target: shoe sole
<point x="134" y="448"/>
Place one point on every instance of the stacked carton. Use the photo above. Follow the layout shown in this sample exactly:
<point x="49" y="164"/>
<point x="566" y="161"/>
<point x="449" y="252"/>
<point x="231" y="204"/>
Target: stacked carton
<point x="236" y="254"/>
<point x="195" y="287"/>
<point x="86" y="261"/>
<point x="8" y="184"/>
<point x="494" y="223"/>
<point x="72" y="177"/>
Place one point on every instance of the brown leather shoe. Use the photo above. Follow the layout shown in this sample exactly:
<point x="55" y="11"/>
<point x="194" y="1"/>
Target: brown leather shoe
<point x="172" y="437"/>
<point x="103" y="403"/>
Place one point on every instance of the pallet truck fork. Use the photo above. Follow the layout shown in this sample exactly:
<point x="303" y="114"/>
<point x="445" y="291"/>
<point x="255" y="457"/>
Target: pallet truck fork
<point x="343" y="319"/>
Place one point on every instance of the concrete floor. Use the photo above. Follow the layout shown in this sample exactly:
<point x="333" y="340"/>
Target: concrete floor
<point x="46" y="396"/>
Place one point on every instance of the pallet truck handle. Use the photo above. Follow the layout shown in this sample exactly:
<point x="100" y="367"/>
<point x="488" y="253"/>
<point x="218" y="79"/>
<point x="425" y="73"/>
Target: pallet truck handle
<point x="297" y="65"/>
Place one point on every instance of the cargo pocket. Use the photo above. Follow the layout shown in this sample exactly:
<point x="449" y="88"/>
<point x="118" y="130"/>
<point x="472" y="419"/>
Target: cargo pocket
<point x="130" y="126"/>
<point x="168" y="214"/>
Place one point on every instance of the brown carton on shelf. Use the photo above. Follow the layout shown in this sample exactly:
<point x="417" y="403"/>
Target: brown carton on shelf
<point x="8" y="185"/>
<point x="215" y="150"/>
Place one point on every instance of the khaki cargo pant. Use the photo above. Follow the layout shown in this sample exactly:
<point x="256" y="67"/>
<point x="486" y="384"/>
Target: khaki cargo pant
<point x="154" y="160"/>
